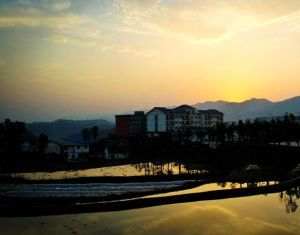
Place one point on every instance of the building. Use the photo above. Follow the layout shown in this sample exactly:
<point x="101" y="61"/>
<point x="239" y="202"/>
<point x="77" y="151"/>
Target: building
<point x="53" y="147"/>
<point x="116" y="149"/>
<point x="131" y="124"/>
<point x="72" y="148"/>
<point x="161" y="119"/>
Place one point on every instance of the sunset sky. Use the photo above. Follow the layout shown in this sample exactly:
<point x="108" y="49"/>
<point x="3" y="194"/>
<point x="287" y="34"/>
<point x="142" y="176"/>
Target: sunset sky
<point x="87" y="58"/>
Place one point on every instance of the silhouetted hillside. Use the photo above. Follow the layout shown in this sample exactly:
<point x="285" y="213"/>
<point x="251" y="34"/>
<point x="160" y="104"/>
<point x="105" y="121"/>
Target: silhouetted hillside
<point x="252" y="108"/>
<point x="62" y="128"/>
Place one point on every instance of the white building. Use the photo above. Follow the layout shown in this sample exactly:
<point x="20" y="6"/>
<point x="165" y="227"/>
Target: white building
<point x="161" y="119"/>
<point x="157" y="120"/>
<point x="52" y="148"/>
<point x="114" y="154"/>
<point x="73" y="148"/>
<point x="117" y="149"/>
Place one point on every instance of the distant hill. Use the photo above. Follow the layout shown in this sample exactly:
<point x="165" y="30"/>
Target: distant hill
<point x="63" y="128"/>
<point x="252" y="108"/>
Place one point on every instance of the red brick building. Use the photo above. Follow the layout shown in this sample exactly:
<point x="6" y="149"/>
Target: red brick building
<point x="123" y="125"/>
<point x="131" y="124"/>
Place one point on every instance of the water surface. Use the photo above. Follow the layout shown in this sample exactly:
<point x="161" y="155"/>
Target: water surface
<point x="264" y="214"/>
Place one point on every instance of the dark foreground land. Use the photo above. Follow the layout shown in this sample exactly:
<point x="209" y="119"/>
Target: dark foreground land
<point x="225" y="164"/>
<point x="225" y="158"/>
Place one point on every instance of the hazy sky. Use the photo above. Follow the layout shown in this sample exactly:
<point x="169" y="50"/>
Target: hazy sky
<point x="80" y="58"/>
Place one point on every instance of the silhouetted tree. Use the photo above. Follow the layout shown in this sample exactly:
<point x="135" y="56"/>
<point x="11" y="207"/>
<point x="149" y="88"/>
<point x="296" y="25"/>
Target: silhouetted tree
<point x="200" y="135"/>
<point x="220" y="131"/>
<point x="240" y="128"/>
<point x="12" y="133"/>
<point x="230" y="133"/>
<point x="95" y="132"/>
<point x="86" y="133"/>
<point x="42" y="142"/>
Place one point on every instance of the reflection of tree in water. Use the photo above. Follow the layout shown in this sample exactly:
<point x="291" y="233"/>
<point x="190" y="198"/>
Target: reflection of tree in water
<point x="222" y="184"/>
<point x="290" y="198"/>
<point x="167" y="168"/>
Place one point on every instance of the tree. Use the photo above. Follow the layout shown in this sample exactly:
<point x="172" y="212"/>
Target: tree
<point x="230" y="133"/>
<point x="200" y="135"/>
<point x="241" y="130"/>
<point x="86" y="133"/>
<point x="12" y="133"/>
<point x="220" y="132"/>
<point x="95" y="132"/>
<point x="42" y="142"/>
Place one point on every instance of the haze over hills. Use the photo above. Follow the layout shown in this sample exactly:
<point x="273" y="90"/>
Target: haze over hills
<point x="63" y="128"/>
<point x="252" y="108"/>
<point x="233" y="112"/>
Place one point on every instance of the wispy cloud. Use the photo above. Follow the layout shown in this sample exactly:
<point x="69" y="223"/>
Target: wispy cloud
<point x="66" y="40"/>
<point x="192" y="20"/>
<point x="129" y="50"/>
<point x="2" y="63"/>
<point x="203" y="20"/>
<point x="46" y="14"/>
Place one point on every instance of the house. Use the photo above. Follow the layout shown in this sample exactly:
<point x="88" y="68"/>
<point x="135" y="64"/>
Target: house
<point x="116" y="149"/>
<point x="72" y="148"/>
<point x="53" y="147"/>
<point x="161" y="119"/>
<point x="27" y="146"/>
<point x="28" y="143"/>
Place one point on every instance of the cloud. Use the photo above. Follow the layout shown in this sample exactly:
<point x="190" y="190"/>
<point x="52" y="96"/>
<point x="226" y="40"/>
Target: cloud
<point x="192" y="20"/>
<point x="46" y="14"/>
<point x="60" y="39"/>
<point x="129" y="50"/>
<point x="44" y="5"/>
<point x="132" y="11"/>
<point x="207" y="220"/>
<point x="2" y="63"/>
<point x="203" y="20"/>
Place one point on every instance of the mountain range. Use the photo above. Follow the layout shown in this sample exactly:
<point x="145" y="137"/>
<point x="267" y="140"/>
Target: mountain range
<point x="63" y="128"/>
<point x="252" y="108"/>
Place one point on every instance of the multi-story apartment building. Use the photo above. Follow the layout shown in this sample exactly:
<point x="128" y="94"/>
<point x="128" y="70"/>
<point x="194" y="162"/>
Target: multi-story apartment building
<point x="161" y="119"/>
<point x="131" y="124"/>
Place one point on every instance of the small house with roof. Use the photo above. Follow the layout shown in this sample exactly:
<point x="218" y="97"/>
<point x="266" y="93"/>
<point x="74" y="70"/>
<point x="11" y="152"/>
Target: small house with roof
<point x="73" y="148"/>
<point x="116" y="149"/>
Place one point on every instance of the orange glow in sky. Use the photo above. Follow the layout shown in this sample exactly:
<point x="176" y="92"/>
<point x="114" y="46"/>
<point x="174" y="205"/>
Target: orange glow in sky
<point x="80" y="58"/>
